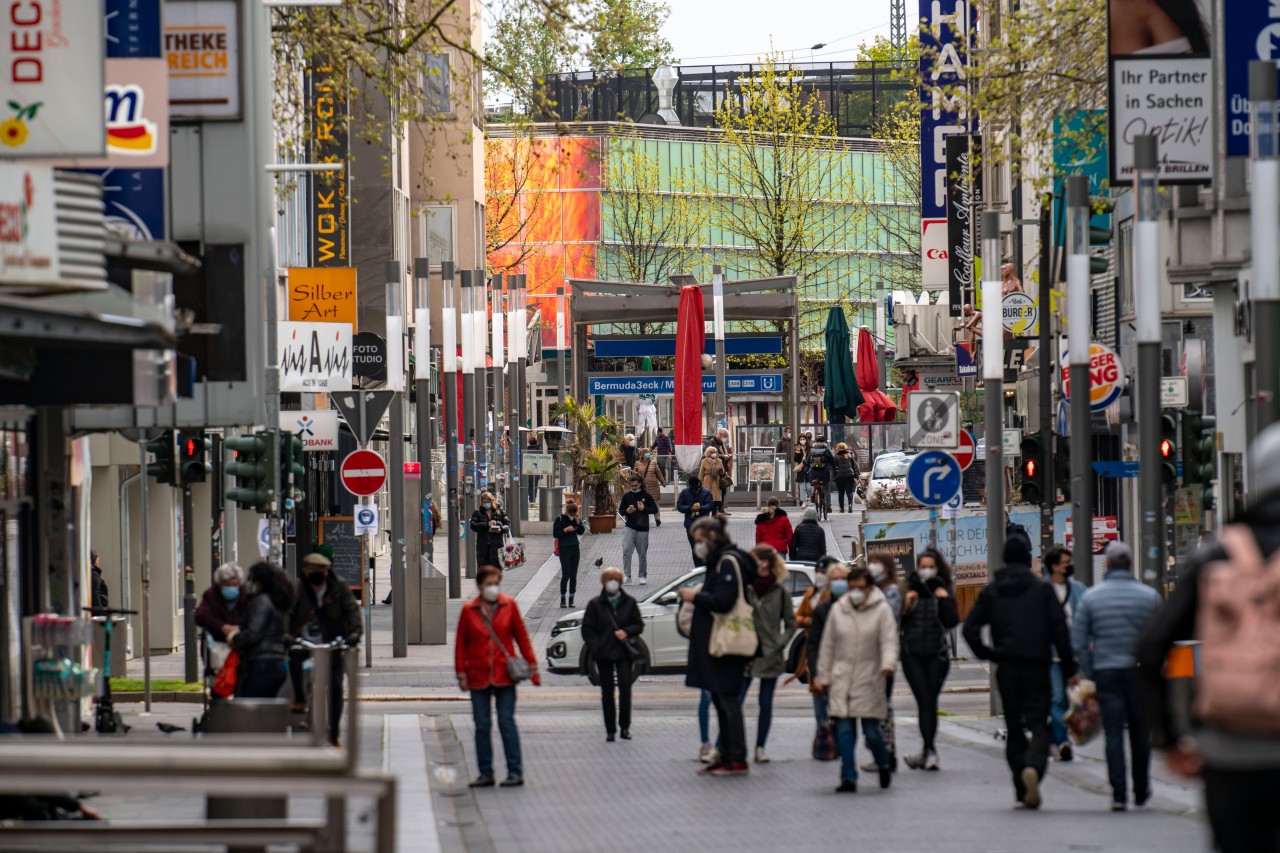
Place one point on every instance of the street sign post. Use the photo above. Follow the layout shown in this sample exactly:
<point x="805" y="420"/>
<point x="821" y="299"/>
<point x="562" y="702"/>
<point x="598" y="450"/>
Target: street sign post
<point x="1011" y="445"/>
<point x="363" y="473"/>
<point x="362" y="410"/>
<point x="1173" y="392"/>
<point x="933" y="420"/>
<point x="968" y="449"/>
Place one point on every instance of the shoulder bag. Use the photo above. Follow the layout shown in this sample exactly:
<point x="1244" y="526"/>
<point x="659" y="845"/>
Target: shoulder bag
<point x="518" y="669"/>
<point x="734" y="633"/>
<point x="684" y="617"/>
<point x="632" y="647"/>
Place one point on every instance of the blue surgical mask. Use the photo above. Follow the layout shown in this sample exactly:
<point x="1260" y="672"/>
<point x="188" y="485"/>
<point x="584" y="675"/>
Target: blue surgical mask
<point x="486" y="506"/>
<point x="230" y="593"/>
<point x="839" y="587"/>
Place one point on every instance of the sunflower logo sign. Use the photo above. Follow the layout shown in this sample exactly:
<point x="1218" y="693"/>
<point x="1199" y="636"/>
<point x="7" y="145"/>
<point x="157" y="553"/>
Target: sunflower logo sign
<point x="14" y="130"/>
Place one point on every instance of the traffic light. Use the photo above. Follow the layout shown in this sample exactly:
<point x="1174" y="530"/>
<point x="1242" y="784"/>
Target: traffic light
<point x="164" y="450"/>
<point x="293" y="468"/>
<point x="1206" y="442"/>
<point x="1169" y="448"/>
<point x="1191" y="462"/>
<point x="253" y="468"/>
<point x="193" y="456"/>
<point x="1062" y="465"/>
<point x="1033" y="470"/>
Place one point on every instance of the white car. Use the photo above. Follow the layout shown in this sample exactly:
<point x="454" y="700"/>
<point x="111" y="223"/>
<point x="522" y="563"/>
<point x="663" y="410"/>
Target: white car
<point x="887" y="485"/>
<point x="662" y="643"/>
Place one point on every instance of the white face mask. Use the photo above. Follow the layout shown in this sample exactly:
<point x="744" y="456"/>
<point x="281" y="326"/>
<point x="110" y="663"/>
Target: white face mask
<point x="927" y="574"/>
<point x="819" y="580"/>
<point x="490" y="593"/>
<point x="878" y="577"/>
<point x="701" y="550"/>
<point x="857" y="596"/>
<point x="612" y="587"/>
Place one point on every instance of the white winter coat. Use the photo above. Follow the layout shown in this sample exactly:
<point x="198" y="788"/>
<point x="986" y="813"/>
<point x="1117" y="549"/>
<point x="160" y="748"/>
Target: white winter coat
<point x="858" y="644"/>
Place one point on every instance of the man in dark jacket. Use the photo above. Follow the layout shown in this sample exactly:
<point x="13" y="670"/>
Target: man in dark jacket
<point x="97" y="585"/>
<point x="809" y="541"/>
<point x="635" y="508"/>
<point x="695" y="502"/>
<point x="665" y="448"/>
<point x="821" y="466"/>
<point x="1026" y="620"/>
<point x="730" y="571"/>
<point x="324" y="611"/>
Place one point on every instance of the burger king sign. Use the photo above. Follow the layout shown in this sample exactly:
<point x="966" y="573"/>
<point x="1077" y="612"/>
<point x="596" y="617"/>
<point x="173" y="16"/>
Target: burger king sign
<point x="1106" y="377"/>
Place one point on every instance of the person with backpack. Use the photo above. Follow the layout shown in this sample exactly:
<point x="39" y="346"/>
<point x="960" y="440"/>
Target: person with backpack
<point x="821" y="467"/>
<point x="1104" y="635"/>
<point x="1025" y="620"/>
<point x="773" y="528"/>
<point x="809" y="540"/>
<point x="1225" y="598"/>
<point x="928" y="613"/>
<point x="846" y="475"/>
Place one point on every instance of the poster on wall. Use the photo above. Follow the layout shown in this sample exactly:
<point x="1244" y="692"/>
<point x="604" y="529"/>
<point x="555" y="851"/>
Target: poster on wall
<point x="1161" y="75"/>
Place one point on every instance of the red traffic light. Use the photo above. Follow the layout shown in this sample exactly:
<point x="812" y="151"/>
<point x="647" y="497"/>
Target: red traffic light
<point x="1166" y="448"/>
<point x="189" y="448"/>
<point x="1030" y="467"/>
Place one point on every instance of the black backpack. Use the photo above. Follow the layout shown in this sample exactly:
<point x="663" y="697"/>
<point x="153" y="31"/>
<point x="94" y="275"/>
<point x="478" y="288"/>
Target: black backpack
<point x="818" y="458"/>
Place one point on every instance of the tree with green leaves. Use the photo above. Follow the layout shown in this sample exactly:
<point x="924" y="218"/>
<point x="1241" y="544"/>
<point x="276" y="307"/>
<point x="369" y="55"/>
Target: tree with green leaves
<point x="889" y="200"/>
<point x="627" y="34"/>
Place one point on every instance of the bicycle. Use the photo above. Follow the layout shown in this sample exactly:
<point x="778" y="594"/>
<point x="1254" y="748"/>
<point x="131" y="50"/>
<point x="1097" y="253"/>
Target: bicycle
<point x="106" y="720"/>
<point x="820" y="501"/>
<point x="336" y="649"/>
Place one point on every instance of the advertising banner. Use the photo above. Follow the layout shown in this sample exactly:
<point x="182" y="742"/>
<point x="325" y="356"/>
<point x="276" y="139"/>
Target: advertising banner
<point x="330" y="223"/>
<point x="1161" y="74"/>
<point x="51" y="79"/>
<point x="1250" y="31"/>
<point x="946" y="28"/>
<point x="323" y="295"/>
<point x="964" y="196"/>
<point x="28" y="225"/>
<point x="317" y="429"/>
<point x="314" y="356"/>
<point x="202" y="49"/>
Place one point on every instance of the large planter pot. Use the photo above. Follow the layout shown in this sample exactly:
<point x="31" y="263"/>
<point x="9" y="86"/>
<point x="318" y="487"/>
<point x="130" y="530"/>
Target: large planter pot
<point x="601" y="523"/>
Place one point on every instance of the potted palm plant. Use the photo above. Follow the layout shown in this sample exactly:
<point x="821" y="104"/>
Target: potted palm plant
<point x="594" y="439"/>
<point x="601" y="472"/>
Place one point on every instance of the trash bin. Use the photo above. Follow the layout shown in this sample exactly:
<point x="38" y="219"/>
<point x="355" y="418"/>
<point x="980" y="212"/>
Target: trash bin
<point x="434" y="594"/>
<point x="256" y="716"/>
<point x="550" y="502"/>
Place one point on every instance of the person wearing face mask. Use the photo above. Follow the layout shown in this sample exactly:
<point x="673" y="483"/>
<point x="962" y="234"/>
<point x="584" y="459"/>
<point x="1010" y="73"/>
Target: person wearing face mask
<point x="859" y="651"/>
<point x="566" y="530"/>
<point x="650" y="470"/>
<point x="809" y="619"/>
<point x="1070" y="594"/>
<point x="694" y="503"/>
<point x="488" y="523"/>
<point x="324" y="611"/>
<point x="929" y="612"/>
<point x="884" y="577"/>
<point x="261" y="638"/>
<point x="221" y="610"/>
<point x="808" y="540"/>
<point x="635" y="508"/>
<point x="490" y="631"/>
<point x="610" y="625"/>
<point x="775" y="626"/>
<point x="773" y="528"/>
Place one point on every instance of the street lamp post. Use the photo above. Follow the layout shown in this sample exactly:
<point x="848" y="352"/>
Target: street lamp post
<point x="562" y="359"/>
<point x="993" y="388"/>
<point x="497" y="467"/>
<point x="717" y="324"/>
<point x="1264" y="225"/>
<point x="468" y="408"/>
<point x="422" y="361"/>
<point x="480" y="343"/>
<point x="515" y="372"/>
<point x="1078" y="328"/>
<point x="1146" y="291"/>
<point x="396" y="383"/>
<point x="449" y="434"/>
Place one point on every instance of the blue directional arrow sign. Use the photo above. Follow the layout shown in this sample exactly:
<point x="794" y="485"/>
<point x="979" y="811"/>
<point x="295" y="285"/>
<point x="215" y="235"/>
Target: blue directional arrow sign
<point x="934" y="477"/>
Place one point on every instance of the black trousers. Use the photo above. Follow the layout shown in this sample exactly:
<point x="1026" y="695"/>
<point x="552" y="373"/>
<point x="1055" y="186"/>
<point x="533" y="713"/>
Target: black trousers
<point x="619" y="672"/>
<point x="733" y="728"/>
<point x="1242" y="812"/>
<point x="925" y="675"/>
<point x="692" y="553"/>
<point x="1024" y="691"/>
<point x="296" y="658"/>
<point x="845" y="488"/>
<point x="569" y="558"/>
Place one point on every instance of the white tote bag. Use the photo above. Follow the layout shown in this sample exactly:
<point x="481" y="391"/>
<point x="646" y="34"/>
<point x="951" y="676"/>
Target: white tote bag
<point x="734" y="633"/>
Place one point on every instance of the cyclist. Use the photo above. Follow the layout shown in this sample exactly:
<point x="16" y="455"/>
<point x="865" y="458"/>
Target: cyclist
<point x="822" y="465"/>
<point x="325" y="611"/>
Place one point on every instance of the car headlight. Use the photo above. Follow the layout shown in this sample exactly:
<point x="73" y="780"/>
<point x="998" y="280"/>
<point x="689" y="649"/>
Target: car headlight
<point x="565" y="625"/>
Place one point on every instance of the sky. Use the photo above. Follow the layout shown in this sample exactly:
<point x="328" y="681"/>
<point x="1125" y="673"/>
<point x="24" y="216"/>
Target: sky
<point x="705" y="32"/>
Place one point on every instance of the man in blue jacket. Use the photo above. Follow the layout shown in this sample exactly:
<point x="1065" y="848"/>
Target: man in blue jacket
<point x="1104" y="634"/>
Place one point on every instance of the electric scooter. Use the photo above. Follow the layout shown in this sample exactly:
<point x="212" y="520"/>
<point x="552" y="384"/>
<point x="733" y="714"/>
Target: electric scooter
<point x="106" y="720"/>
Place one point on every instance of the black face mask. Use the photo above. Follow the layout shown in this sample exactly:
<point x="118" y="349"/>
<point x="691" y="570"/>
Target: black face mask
<point x="316" y="578"/>
<point x="1069" y="570"/>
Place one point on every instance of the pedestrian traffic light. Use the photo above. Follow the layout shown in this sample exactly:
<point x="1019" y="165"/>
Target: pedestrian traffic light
<point x="193" y="461"/>
<point x="1169" y="448"/>
<point x="1191" y="462"/>
<point x="1207" y="454"/>
<point x="293" y="469"/>
<point x="1033" y="470"/>
<point x="164" y="450"/>
<point x="253" y="467"/>
<point x="1062" y="465"/>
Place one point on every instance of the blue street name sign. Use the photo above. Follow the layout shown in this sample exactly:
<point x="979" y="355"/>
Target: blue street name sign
<point x="934" y="477"/>
<point x="740" y="383"/>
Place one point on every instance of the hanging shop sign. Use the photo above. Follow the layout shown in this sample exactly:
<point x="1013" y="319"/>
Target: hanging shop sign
<point x="314" y="356"/>
<point x="202" y="50"/>
<point x="317" y="429"/>
<point x="323" y="295"/>
<point x="327" y="206"/>
<point x="964" y="196"/>
<point x="1106" y="376"/>
<point x="28" y="225"/>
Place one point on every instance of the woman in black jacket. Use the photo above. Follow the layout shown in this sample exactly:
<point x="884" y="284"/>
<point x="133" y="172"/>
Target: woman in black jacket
<point x="487" y="523"/>
<point x="610" y="625"/>
<point x="809" y="540"/>
<point x="566" y="530"/>
<point x="261" y="638"/>
<point x="928" y="612"/>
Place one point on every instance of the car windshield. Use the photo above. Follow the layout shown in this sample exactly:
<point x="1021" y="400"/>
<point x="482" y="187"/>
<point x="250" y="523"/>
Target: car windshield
<point x="891" y="466"/>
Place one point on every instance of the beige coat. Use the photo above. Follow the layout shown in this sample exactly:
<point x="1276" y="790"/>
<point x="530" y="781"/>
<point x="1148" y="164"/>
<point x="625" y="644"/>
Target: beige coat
<point x="653" y="479"/>
<point x="709" y="473"/>
<point x="858" y="644"/>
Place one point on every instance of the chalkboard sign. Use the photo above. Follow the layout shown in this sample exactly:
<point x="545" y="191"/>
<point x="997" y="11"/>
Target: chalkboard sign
<point x="338" y="532"/>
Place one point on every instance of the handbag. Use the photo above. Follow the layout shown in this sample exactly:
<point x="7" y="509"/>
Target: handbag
<point x="518" y="669"/>
<point x="684" y="618"/>
<point x="632" y="647"/>
<point x="824" y="743"/>
<point x="555" y="549"/>
<point x="224" y="686"/>
<point x="734" y="633"/>
<point x="1084" y="716"/>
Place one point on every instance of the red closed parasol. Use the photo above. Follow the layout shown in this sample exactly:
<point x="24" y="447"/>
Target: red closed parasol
<point x="691" y="337"/>
<point x="878" y="408"/>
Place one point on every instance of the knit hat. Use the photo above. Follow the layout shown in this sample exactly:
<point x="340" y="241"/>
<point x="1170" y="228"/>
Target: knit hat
<point x="1016" y="552"/>
<point x="811" y="514"/>
<point x="1118" y="556"/>
<point x="1265" y="456"/>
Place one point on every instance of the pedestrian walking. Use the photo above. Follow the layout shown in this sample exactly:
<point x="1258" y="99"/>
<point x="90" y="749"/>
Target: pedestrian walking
<point x="773" y="528"/>
<point x="810" y="625"/>
<point x="221" y="607"/>
<point x="534" y="446"/>
<point x="775" y="622"/>
<point x="489" y="523"/>
<point x="884" y="576"/>
<point x="929" y="612"/>
<point x="859" y="651"/>
<point x="783" y="447"/>
<point x="635" y="508"/>
<point x="1226" y="599"/>
<point x="1059" y="568"/>
<point x="610" y="626"/>
<point x="566" y="530"/>
<point x="665" y="449"/>
<point x="712" y="472"/>
<point x="846" y="475"/>
<point x="707" y="754"/>
<point x="1104" y="636"/>
<point x="730" y="573"/>
<point x="323" y="612"/>
<point x="491" y="642"/>
<point x="1025" y="620"/>
<point x="261" y="638"/>
<point x="628" y="449"/>
<point x="98" y="594"/>
<point x="695" y="502"/>
<point x="800" y="464"/>
<point x="651" y="477"/>
<point x="809" y="540"/>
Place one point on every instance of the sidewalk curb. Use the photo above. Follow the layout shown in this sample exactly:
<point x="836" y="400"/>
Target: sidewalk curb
<point x="191" y="697"/>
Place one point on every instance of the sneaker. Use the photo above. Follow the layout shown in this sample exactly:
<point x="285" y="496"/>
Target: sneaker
<point x="761" y="758"/>
<point x="1119" y="807"/>
<point x="886" y="777"/>
<point x="482" y="782"/>
<point x="513" y="780"/>
<point x="1031" y="781"/>
<point x="847" y="787"/>
<point x="657" y="522"/>
<point x="644" y="581"/>
<point x="571" y="601"/>
<point x="869" y="767"/>
<point x="915" y="762"/>
<point x="738" y="768"/>
<point x="710" y="769"/>
<point x="1140" y="800"/>
<point x="1065" y="752"/>
<point x="707" y="755"/>
<point x="931" y="761"/>
<point x="562" y="604"/>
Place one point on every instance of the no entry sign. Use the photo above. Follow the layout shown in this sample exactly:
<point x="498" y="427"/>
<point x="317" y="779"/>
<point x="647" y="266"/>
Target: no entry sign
<point x="363" y="473"/>
<point x="965" y="454"/>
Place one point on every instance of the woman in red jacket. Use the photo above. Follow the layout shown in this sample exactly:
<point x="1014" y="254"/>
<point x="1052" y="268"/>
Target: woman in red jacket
<point x="774" y="528"/>
<point x="489" y="629"/>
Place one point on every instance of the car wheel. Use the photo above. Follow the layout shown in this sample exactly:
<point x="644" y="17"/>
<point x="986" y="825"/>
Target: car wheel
<point x="592" y="671"/>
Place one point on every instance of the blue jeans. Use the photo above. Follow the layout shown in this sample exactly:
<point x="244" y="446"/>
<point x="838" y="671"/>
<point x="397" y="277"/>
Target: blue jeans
<point x="704" y="716"/>
<point x="847" y="742"/>
<point x="481" y="714"/>
<point x="1120" y="702"/>
<point x="1057" y="706"/>
<point x="767" y="686"/>
<point x="820" y="704"/>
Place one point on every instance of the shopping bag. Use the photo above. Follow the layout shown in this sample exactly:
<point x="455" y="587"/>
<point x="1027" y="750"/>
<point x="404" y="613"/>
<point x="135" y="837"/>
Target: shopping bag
<point x="1084" y="716"/>
<point x="224" y="686"/>
<point x="512" y="553"/>
<point x="824" y="743"/>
